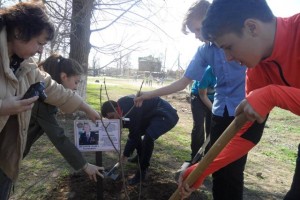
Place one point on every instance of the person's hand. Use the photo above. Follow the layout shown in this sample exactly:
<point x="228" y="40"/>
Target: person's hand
<point x="93" y="115"/>
<point x="14" y="105"/>
<point x="184" y="189"/>
<point x="92" y="171"/>
<point x="245" y="107"/>
<point x="90" y="112"/>
<point x="140" y="97"/>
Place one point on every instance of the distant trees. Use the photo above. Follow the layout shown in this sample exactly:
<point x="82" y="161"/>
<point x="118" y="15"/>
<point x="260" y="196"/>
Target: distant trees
<point x="76" y="20"/>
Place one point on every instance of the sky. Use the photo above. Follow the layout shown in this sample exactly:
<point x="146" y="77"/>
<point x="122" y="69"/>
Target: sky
<point x="164" y="39"/>
<point x="170" y="43"/>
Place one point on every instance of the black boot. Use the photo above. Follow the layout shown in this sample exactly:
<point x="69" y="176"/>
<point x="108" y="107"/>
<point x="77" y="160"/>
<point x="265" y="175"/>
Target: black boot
<point x="294" y="192"/>
<point x="139" y="176"/>
<point x="133" y="159"/>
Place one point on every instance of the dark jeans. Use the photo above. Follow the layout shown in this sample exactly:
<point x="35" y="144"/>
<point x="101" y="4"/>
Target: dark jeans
<point x="145" y="151"/>
<point x="158" y="125"/>
<point x="5" y="186"/>
<point x="228" y="182"/>
<point x="200" y="114"/>
<point x="294" y="193"/>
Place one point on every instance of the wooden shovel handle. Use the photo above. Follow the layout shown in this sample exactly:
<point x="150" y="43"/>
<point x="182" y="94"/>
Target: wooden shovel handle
<point x="213" y="152"/>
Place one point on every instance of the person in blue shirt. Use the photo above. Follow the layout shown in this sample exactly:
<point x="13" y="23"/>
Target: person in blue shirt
<point x="207" y="87"/>
<point x="229" y="92"/>
<point x="202" y="96"/>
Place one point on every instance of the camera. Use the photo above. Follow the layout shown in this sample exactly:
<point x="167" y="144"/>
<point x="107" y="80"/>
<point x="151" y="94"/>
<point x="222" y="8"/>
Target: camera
<point x="36" y="89"/>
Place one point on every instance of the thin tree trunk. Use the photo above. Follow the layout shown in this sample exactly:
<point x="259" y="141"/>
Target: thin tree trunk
<point x="80" y="36"/>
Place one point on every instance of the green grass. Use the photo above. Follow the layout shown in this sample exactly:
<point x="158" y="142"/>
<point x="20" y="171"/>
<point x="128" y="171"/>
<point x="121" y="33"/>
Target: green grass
<point x="281" y="138"/>
<point x="282" y="154"/>
<point x="111" y="91"/>
<point x="175" y="137"/>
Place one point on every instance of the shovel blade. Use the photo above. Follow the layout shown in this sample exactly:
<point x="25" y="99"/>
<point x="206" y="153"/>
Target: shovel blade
<point x="111" y="175"/>
<point x="112" y="172"/>
<point x="114" y="176"/>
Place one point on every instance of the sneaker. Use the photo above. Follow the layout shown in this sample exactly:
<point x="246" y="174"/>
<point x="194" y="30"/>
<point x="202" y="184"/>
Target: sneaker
<point x="138" y="177"/>
<point x="133" y="159"/>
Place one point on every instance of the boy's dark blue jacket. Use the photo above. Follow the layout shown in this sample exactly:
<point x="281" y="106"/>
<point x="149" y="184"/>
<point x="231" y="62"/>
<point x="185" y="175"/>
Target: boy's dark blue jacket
<point x="140" y="118"/>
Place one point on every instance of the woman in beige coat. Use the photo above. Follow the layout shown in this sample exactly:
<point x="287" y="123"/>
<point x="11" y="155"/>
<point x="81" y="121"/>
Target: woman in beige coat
<point x="24" y="30"/>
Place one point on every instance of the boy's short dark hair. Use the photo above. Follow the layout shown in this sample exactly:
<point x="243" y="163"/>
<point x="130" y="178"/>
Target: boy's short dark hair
<point x="228" y="16"/>
<point x="107" y="107"/>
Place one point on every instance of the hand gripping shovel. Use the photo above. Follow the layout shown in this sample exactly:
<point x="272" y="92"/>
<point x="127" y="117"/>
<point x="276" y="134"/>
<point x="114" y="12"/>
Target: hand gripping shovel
<point x="196" y="159"/>
<point x="213" y="152"/>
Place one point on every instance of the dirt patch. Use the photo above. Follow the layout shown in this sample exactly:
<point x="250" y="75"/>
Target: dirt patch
<point x="78" y="187"/>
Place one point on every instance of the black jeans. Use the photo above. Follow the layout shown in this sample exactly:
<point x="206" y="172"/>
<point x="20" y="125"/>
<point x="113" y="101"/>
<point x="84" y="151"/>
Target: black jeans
<point x="294" y="193"/>
<point x="144" y="148"/>
<point x="228" y="182"/>
<point x="5" y="186"/>
<point x="200" y="114"/>
<point x="145" y="151"/>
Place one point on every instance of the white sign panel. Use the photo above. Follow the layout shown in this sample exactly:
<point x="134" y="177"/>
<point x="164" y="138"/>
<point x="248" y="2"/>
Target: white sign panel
<point x="100" y="136"/>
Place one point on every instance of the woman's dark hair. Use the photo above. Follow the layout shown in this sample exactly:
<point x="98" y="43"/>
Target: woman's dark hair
<point x="107" y="107"/>
<point x="26" y="20"/>
<point x="56" y="64"/>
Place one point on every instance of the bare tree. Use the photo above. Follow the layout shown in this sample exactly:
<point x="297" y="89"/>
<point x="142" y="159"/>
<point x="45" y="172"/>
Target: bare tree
<point x="95" y="63"/>
<point x="89" y="12"/>
<point x="111" y="15"/>
<point x="60" y="12"/>
<point x="80" y="30"/>
<point x="96" y="16"/>
<point x="76" y="20"/>
<point x="80" y="34"/>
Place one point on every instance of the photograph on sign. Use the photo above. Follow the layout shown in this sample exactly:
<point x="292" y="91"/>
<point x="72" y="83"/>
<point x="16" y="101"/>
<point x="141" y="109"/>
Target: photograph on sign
<point x="100" y="136"/>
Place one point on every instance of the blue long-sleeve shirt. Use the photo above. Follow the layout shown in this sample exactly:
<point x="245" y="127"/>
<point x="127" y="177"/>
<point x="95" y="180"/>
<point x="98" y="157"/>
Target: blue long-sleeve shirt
<point x="230" y="86"/>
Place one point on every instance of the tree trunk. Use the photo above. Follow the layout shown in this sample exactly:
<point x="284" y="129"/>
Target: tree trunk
<point x="80" y="36"/>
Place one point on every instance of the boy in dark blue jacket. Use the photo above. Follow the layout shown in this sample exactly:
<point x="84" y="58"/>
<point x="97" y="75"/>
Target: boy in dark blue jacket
<point x="153" y="119"/>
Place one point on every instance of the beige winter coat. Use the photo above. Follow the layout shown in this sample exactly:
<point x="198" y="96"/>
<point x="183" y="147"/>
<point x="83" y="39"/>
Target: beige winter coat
<point x="12" y="144"/>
